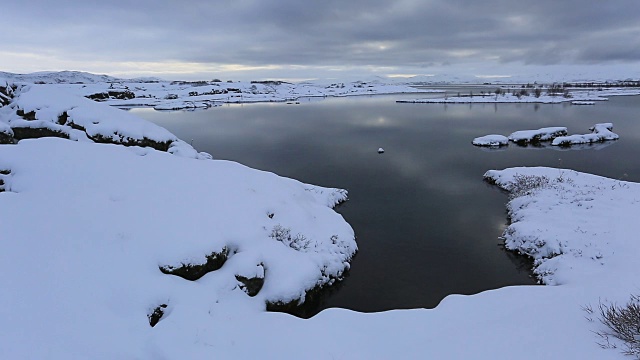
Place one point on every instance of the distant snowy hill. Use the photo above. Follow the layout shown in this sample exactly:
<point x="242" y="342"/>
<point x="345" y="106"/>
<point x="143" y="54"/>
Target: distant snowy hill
<point x="67" y="77"/>
<point x="540" y="78"/>
<point x="79" y="77"/>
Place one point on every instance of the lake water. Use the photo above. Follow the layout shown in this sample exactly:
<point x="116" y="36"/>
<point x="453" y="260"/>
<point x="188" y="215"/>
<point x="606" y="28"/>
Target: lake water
<point x="426" y="224"/>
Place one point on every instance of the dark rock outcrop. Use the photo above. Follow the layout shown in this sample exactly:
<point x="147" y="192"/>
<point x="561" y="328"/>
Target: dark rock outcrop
<point x="20" y="133"/>
<point x="112" y="94"/>
<point x="192" y="272"/>
<point x="156" y="314"/>
<point x="251" y="285"/>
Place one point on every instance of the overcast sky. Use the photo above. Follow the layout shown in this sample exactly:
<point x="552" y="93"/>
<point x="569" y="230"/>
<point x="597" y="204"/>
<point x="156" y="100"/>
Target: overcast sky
<point x="296" y="39"/>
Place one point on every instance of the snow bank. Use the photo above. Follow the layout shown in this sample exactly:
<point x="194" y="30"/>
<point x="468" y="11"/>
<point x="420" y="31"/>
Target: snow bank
<point x="93" y="224"/>
<point x="491" y="140"/>
<point x="572" y="224"/>
<point x="599" y="133"/>
<point x="48" y="110"/>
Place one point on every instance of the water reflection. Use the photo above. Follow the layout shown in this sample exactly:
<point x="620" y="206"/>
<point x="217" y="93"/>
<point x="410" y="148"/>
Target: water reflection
<point x="424" y="219"/>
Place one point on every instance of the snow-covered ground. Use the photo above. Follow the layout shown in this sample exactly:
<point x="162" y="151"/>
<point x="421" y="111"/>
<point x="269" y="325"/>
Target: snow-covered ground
<point x="578" y="96"/>
<point x="166" y="95"/>
<point x="91" y="230"/>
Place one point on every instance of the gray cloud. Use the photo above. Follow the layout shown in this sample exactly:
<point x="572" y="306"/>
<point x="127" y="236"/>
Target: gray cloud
<point x="407" y="34"/>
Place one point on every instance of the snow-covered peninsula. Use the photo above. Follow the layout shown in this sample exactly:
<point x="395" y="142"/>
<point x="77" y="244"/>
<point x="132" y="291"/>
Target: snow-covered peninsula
<point x="122" y="241"/>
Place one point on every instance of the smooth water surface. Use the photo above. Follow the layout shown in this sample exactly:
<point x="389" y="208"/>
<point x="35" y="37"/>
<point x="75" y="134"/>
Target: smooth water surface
<point x="427" y="225"/>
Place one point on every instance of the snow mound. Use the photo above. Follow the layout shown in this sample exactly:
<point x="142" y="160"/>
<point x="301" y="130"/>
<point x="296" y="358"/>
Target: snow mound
<point x="491" y="140"/>
<point x="47" y="110"/>
<point x="599" y="133"/>
<point x="524" y="137"/>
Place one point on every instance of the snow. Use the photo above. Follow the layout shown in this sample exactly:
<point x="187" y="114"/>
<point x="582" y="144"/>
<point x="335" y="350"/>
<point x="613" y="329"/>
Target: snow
<point x="521" y="137"/>
<point x="380" y="150"/>
<point x="91" y="224"/>
<point x="574" y="225"/>
<point x="81" y="119"/>
<point x="543" y="134"/>
<point x="174" y="95"/>
<point x="491" y="140"/>
<point x="599" y="133"/>
<point x="556" y="134"/>
<point x="66" y="77"/>
<point x="88" y="226"/>
<point x="576" y="95"/>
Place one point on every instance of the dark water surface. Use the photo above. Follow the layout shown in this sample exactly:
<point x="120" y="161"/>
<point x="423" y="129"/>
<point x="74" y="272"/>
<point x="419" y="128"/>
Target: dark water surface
<point x="426" y="224"/>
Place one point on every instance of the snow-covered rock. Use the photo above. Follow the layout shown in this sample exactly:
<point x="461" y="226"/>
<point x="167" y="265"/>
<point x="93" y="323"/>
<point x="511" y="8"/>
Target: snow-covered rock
<point x="599" y="133"/>
<point x="491" y="140"/>
<point x="524" y="137"/>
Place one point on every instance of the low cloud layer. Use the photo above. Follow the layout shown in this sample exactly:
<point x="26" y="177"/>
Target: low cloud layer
<point x="408" y="36"/>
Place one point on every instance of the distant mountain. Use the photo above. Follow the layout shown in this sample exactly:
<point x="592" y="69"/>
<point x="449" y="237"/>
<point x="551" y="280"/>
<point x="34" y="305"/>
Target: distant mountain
<point x="540" y="78"/>
<point x="443" y="79"/>
<point x="569" y="75"/>
<point x="68" y="77"/>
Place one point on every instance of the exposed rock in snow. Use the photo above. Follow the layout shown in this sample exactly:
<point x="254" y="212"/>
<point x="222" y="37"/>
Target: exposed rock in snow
<point x="380" y="150"/>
